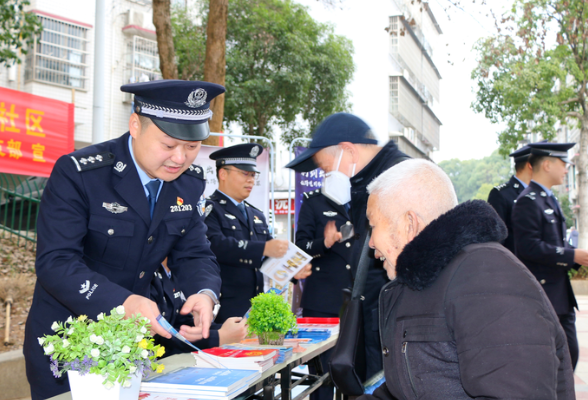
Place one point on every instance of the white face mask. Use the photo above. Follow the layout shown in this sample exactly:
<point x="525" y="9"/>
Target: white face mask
<point x="336" y="185"/>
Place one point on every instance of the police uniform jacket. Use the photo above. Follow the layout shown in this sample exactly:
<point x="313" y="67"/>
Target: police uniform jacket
<point x="331" y="268"/>
<point x="97" y="244"/>
<point x="166" y="292"/>
<point x="502" y="199"/>
<point x="539" y="229"/>
<point x="238" y="245"/>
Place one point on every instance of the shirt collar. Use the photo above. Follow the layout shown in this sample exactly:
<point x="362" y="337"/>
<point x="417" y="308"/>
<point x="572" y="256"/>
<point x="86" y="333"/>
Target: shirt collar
<point x="235" y="202"/>
<point x="142" y="174"/>
<point x="521" y="182"/>
<point x="549" y="192"/>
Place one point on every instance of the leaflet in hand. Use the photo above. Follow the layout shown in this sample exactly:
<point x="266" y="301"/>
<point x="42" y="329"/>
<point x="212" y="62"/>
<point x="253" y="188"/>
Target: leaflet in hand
<point x="283" y="269"/>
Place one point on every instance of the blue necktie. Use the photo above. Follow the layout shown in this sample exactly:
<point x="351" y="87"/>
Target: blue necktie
<point x="241" y="207"/>
<point x="152" y="188"/>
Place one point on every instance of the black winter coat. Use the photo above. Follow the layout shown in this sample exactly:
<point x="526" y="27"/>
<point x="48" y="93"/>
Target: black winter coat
<point x="465" y="319"/>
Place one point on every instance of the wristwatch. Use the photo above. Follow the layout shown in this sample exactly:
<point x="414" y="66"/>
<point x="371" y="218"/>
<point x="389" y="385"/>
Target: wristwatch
<point x="217" y="306"/>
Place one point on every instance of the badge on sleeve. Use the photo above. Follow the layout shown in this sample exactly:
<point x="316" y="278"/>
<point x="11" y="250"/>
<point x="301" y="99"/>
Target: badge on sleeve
<point x="201" y="205"/>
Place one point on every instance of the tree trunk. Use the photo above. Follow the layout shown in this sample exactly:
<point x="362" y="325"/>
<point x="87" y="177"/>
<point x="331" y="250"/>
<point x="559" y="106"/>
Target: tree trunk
<point x="215" y="63"/>
<point x="165" y="40"/>
<point x="582" y="170"/>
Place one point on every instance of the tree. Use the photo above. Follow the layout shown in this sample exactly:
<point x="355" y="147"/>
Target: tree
<point x="165" y="42"/>
<point x="281" y="65"/>
<point x="214" y="62"/>
<point x="473" y="179"/>
<point x="533" y="75"/>
<point x="18" y="30"/>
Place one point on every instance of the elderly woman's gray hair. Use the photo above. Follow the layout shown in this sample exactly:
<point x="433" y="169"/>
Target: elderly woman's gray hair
<point x="416" y="184"/>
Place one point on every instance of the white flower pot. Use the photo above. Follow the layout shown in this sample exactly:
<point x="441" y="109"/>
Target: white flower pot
<point x="90" y="387"/>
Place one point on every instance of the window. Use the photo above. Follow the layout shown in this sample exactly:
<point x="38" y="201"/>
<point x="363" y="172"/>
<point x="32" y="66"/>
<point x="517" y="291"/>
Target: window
<point x="59" y="55"/>
<point x="393" y="94"/>
<point x="142" y="61"/>
<point x="394" y="33"/>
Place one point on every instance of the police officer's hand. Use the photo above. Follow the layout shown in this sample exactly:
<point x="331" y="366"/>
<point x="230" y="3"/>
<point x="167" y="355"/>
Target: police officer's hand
<point x="332" y="235"/>
<point x="275" y="248"/>
<point x="581" y="257"/>
<point x="200" y="305"/>
<point x="191" y="333"/>
<point x="304" y="272"/>
<point x="233" y="330"/>
<point x="135" y="304"/>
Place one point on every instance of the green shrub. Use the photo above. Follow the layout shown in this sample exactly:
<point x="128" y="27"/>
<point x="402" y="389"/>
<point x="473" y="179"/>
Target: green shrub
<point x="270" y="313"/>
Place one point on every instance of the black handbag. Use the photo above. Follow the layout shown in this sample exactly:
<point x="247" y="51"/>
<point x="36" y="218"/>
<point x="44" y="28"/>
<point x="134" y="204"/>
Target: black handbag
<point x="347" y="364"/>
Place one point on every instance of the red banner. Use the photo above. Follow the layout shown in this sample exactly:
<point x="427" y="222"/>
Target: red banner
<point x="281" y="206"/>
<point x="34" y="132"/>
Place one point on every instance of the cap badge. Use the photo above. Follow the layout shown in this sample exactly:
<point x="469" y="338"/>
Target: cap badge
<point x="197" y="98"/>
<point x="254" y="151"/>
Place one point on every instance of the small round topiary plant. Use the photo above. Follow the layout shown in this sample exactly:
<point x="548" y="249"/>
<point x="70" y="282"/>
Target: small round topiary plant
<point x="270" y="318"/>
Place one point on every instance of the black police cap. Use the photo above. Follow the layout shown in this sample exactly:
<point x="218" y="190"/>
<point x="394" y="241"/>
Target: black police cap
<point x="558" y="150"/>
<point x="179" y="108"/>
<point x="242" y="156"/>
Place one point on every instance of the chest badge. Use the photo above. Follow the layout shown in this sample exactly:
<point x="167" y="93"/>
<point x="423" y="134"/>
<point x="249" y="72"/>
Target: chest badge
<point x="180" y="206"/>
<point x="257" y="220"/>
<point x="230" y="216"/>
<point x="549" y="211"/>
<point x="115" y="208"/>
<point x="330" y="213"/>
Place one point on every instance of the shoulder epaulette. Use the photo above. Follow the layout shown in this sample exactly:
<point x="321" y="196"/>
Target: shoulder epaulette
<point x="308" y="195"/>
<point x="93" y="161"/>
<point x="195" y="171"/>
<point x="500" y="187"/>
<point x="252" y="206"/>
<point x="531" y="195"/>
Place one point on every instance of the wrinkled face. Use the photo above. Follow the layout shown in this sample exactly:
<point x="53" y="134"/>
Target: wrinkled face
<point x="558" y="170"/>
<point x="387" y="236"/>
<point x="236" y="183"/>
<point x="160" y="155"/>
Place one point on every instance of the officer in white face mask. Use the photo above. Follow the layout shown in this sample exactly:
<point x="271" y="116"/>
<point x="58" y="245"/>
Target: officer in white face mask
<point x="344" y="146"/>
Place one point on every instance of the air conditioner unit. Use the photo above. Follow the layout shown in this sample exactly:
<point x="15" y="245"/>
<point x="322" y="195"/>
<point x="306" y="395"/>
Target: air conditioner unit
<point x="135" y="18"/>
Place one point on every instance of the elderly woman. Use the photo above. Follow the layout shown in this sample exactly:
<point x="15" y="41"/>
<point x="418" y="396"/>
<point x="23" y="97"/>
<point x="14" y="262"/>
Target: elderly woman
<point x="462" y="317"/>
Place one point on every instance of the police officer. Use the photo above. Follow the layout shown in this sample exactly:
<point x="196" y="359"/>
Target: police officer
<point x="322" y="295"/>
<point x="503" y="197"/>
<point x="238" y="232"/>
<point x="112" y="212"/>
<point x="167" y="293"/>
<point x="539" y="229"/>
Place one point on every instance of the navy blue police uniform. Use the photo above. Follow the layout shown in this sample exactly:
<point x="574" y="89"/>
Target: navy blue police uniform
<point x="503" y="197"/>
<point x="322" y="296"/>
<point x="539" y="229"/>
<point x="238" y="241"/>
<point x="97" y="240"/>
<point x="167" y="293"/>
<point x="331" y="269"/>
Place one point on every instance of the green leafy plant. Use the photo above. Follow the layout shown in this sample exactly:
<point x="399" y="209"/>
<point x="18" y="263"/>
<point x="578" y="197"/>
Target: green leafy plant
<point x="112" y="346"/>
<point x="271" y="314"/>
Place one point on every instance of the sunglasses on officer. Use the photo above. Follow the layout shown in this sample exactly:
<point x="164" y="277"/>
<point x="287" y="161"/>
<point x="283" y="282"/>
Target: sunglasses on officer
<point x="246" y="174"/>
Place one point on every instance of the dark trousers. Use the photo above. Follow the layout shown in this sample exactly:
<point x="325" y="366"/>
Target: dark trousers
<point x="325" y="392"/>
<point x="568" y="323"/>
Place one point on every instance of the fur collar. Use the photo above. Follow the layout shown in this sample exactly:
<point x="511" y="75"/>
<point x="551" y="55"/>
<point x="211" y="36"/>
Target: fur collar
<point x="423" y="259"/>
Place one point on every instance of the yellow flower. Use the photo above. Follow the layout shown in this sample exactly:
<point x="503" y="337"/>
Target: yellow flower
<point x="160" y="368"/>
<point x="82" y="317"/>
<point x="142" y="344"/>
<point x="160" y="351"/>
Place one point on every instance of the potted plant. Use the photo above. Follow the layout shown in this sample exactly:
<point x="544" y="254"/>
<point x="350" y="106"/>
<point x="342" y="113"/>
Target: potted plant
<point x="270" y="318"/>
<point x="104" y="358"/>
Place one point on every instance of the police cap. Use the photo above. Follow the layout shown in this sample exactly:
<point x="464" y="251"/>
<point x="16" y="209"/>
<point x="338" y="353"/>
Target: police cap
<point x="242" y="156"/>
<point x="558" y="150"/>
<point x="337" y="128"/>
<point x="179" y="108"/>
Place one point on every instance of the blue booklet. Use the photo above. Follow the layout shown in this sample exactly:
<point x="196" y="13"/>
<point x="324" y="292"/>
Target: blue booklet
<point x="202" y="379"/>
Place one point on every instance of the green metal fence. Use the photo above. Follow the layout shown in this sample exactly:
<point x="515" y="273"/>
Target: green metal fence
<point x="19" y="206"/>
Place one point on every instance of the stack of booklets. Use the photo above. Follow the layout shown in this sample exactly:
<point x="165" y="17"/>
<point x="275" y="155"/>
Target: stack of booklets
<point x="284" y="352"/>
<point x="247" y="359"/>
<point x="315" y="329"/>
<point x="202" y="383"/>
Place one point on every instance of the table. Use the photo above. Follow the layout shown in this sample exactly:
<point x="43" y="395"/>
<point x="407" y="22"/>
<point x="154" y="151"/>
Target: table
<point x="268" y="380"/>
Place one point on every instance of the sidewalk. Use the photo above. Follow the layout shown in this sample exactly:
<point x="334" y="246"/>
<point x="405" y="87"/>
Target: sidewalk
<point x="581" y="375"/>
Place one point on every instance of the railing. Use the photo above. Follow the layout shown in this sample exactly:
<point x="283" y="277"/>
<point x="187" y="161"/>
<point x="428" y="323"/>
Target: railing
<point x="19" y="206"/>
